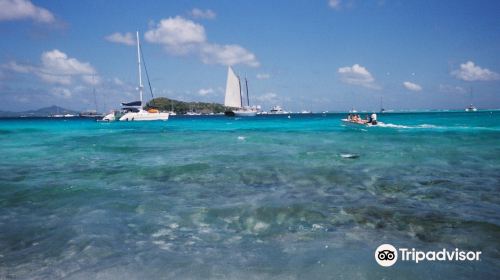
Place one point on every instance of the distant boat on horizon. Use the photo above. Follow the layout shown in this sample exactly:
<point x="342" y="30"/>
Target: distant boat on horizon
<point x="471" y="107"/>
<point x="277" y="110"/>
<point x="93" y="114"/>
<point x="233" y="98"/>
<point x="382" y="110"/>
<point x="90" y="114"/>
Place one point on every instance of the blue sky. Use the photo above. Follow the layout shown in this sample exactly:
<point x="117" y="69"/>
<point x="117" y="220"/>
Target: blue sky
<point x="316" y="55"/>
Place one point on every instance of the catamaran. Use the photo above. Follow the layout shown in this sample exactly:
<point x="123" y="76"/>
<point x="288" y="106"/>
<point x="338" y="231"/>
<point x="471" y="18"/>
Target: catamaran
<point x="133" y="111"/>
<point x="233" y="98"/>
<point x="471" y="108"/>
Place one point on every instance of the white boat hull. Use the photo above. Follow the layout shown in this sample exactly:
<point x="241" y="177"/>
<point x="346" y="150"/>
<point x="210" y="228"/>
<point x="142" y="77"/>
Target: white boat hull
<point x="245" y="113"/>
<point x="132" y="111"/>
<point x="109" y="118"/>
<point x="144" y="116"/>
<point x="348" y="122"/>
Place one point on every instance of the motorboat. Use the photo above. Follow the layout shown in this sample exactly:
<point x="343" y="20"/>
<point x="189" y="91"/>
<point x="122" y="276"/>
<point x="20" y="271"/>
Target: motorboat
<point x="277" y="110"/>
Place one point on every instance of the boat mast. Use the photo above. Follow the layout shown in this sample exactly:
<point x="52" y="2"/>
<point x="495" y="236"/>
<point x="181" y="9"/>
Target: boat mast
<point x="139" y="66"/>
<point x="248" y="99"/>
<point x="93" y="92"/>
<point x="239" y="86"/>
<point x="470" y="96"/>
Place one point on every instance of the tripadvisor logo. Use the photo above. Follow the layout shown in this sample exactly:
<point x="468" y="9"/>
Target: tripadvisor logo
<point x="387" y="255"/>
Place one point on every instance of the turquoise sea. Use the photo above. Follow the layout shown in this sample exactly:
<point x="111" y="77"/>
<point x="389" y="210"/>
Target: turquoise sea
<point x="268" y="197"/>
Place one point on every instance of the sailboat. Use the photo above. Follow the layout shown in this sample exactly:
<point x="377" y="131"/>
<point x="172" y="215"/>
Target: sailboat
<point x="382" y="110"/>
<point x="233" y="98"/>
<point x="471" y="107"/>
<point x="94" y="114"/>
<point x="133" y="111"/>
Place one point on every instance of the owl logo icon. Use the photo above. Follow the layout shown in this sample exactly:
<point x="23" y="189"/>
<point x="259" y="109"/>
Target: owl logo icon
<point x="386" y="255"/>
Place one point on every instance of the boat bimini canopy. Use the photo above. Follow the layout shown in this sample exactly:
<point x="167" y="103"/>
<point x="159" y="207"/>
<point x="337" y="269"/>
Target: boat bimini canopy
<point x="133" y="103"/>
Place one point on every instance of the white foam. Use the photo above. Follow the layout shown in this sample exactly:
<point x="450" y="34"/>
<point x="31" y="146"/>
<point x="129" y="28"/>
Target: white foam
<point x="234" y="239"/>
<point x="173" y="225"/>
<point x="163" y="245"/>
<point x="260" y="226"/>
<point x="427" y="126"/>
<point x="380" y="124"/>
<point x="162" y="232"/>
<point x="349" y="155"/>
<point x="316" y="227"/>
<point x="391" y="125"/>
<point x="241" y="138"/>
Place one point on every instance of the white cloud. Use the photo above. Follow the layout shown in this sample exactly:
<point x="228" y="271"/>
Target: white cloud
<point x="62" y="92"/>
<point x="470" y="72"/>
<point x="412" y="86"/>
<point x="118" y="82"/>
<point x="227" y="55"/>
<point x="91" y="79"/>
<point x="19" y="68"/>
<point x="22" y="99"/>
<point x="57" y="68"/>
<point x="117" y="37"/>
<point x="335" y="4"/>
<point x="178" y="35"/>
<point x="205" y="91"/>
<point x="263" y="76"/>
<point x="451" y="89"/>
<point x="357" y="75"/>
<point x="269" y="97"/>
<point x="202" y="14"/>
<point x="181" y="36"/>
<point x="24" y="9"/>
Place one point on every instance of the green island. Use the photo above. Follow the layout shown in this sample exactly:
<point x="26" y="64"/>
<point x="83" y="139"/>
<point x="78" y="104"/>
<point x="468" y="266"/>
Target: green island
<point x="181" y="107"/>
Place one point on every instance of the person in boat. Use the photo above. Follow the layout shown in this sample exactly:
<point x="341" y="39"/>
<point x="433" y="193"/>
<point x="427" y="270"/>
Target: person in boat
<point x="373" y="119"/>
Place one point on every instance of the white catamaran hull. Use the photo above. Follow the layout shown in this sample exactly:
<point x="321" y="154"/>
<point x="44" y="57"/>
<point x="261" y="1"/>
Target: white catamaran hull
<point x="144" y="116"/>
<point x="132" y="111"/>
<point x="245" y="113"/>
<point x="111" y="117"/>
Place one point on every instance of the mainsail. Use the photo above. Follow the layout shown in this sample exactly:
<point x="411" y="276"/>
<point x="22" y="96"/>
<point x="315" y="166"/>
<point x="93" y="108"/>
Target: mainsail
<point x="233" y="90"/>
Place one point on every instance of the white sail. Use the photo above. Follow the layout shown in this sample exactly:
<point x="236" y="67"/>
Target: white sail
<point x="233" y="90"/>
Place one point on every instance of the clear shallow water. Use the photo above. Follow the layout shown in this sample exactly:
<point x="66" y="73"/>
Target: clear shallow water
<point x="258" y="198"/>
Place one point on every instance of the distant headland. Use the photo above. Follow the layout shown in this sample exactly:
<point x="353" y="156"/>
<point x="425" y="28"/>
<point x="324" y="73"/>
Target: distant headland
<point x="160" y="103"/>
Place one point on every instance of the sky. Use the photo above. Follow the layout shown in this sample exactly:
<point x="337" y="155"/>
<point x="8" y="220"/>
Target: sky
<point x="302" y="55"/>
